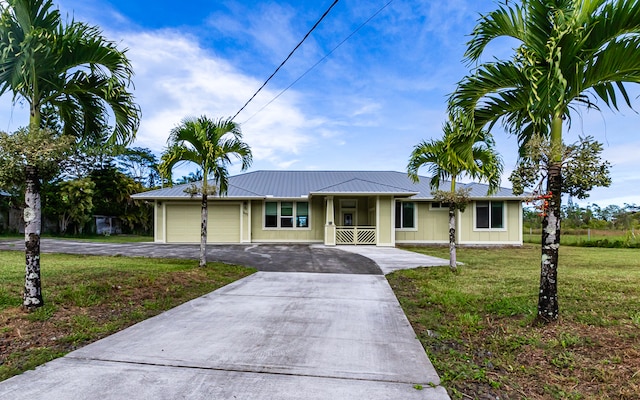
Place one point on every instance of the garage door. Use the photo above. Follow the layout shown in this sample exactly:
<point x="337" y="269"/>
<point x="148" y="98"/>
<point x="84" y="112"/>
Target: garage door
<point x="183" y="223"/>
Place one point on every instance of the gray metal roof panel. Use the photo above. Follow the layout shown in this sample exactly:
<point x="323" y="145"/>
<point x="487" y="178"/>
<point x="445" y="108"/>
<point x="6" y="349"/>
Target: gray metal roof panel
<point x="357" y="185"/>
<point x="295" y="184"/>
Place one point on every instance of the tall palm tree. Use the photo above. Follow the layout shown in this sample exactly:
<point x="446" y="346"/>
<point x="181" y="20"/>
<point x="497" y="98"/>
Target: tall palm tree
<point x="463" y="150"/>
<point x="571" y="53"/>
<point x="210" y="144"/>
<point x="70" y="69"/>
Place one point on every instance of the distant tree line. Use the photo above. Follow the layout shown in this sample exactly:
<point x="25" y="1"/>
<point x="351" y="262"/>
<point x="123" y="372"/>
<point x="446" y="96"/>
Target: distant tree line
<point x="574" y="216"/>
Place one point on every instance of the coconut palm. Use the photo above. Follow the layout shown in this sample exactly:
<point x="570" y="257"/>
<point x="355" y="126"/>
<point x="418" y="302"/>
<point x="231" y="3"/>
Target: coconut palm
<point x="463" y="150"/>
<point x="72" y="71"/>
<point x="210" y="144"/>
<point x="570" y="53"/>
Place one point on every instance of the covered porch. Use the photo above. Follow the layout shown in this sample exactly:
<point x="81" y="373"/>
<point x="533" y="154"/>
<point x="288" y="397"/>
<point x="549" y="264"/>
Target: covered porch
<point x="359" y="220"/>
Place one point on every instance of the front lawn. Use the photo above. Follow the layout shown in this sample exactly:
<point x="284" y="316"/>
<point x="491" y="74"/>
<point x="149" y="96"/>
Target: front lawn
<point x="476" y="326"/>
<point x="89" y="297"/>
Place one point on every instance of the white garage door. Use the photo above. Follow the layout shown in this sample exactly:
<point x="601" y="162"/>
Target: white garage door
<point x="183" y="223"/>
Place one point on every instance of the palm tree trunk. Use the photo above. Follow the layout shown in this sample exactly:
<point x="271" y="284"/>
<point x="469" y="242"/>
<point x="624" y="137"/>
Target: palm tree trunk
<point x="548" y="296"/>
<point x="203" y="231"/>
<point x="32" y="297"/>
<point x="452" y="239"/>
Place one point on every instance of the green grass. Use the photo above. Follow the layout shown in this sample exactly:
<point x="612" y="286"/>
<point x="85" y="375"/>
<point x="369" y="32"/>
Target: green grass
<point x="87" y="238"/>
<point x="477" y="325"/>
<point x="589" y="238"/>
<point x="89" y="297"/>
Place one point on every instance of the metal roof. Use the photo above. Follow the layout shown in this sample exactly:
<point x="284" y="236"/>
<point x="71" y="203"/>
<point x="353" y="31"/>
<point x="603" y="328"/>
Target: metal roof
<point x="296" y="184"/>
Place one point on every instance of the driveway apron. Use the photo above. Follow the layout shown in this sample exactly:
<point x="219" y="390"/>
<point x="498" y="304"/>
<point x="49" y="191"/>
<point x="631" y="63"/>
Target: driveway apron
<point x="272" y="335"/>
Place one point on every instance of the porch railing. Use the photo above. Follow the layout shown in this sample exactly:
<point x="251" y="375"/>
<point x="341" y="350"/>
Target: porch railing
<point x="355" y="235"/>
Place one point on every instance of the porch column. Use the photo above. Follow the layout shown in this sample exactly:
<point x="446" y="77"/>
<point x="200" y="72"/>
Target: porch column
<point x="329" y="224"/>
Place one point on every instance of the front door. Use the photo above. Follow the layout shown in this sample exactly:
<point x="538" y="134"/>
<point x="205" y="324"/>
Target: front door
<point x="347" y="219"/>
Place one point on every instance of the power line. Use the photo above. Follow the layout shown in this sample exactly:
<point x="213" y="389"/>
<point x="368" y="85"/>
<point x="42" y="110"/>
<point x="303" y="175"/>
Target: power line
<point x="321" y="60"/>
<point x="286" y="59"/>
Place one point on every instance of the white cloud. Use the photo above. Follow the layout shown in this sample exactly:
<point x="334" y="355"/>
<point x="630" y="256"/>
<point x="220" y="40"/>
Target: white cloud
<point x="176" y="78"/>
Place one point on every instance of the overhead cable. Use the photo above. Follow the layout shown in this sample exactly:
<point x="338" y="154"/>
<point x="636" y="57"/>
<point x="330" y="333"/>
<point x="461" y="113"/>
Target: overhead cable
<point x="321" y="60"/>
<point x="287" y="59"/>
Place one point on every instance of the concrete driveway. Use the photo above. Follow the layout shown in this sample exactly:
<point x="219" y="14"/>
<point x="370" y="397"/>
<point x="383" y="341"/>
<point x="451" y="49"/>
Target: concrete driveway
<point x="272" y="335"/>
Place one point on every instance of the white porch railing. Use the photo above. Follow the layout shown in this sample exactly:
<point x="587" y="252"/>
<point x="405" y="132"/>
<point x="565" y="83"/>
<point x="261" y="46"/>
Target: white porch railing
<point x="355" y="235"/>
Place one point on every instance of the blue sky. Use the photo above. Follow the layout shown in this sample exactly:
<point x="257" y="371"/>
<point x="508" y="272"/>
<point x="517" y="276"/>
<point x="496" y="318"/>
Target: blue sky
<point x="364" y="107"/>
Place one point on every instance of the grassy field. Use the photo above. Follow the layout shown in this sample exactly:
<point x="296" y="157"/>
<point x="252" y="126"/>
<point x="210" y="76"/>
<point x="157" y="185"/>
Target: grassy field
<point x="477" y="328"/>
<point x="574" y="237"/>
<point x="89" y="238"/>
<point x="90" y="297"/>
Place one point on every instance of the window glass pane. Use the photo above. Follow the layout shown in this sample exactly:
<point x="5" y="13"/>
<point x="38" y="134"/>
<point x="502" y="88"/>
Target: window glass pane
<point x="286" y="209"/>
<point x="482" y="214"/>
<point x="302" y="215"/>
<point x="407" y="215"/>
<point x="271" y="214"/>
<point x="496" y="214"/>
<point x="286" y="214"/>
<point x="398" y="215"/>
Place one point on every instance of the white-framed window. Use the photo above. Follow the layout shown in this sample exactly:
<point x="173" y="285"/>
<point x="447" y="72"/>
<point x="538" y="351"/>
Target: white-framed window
<point x="286" y="214"/>
<point x="489" y="215"/>
<point x="439" y="206"/>
<point x="405" y="215"/>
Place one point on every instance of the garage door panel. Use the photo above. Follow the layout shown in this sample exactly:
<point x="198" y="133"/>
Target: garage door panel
<point x="224" y="223"/>
<point x="183" y="223"/>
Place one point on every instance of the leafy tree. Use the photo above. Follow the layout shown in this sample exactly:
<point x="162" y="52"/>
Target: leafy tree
<point x="76" y="198"/>
<point x="68" y="69"/>
<point x="570" y="53"/>
<point x="113" y="198"/>
<point x="463" y="150"/>
<point x="209" y="144"/>
<point x="581" y="163"/>
<point x="140" y="164"/>
<point x="191" y="178"/>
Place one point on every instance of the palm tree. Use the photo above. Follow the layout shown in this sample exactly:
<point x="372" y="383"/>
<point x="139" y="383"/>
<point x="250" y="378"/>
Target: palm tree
<point x="210" y="144"/>
<point x="67" y="68"/>
<point x="463" y="150"/>
<point x="570" y="53"/>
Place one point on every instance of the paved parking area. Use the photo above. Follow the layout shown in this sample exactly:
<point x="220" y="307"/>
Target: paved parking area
<point x="264" y="257"/>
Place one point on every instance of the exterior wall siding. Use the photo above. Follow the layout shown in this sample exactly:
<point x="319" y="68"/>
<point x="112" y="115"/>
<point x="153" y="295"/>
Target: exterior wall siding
<point x="159" y="222"/>
<point x="512" y="233"/>
<point x="432" y="226"/>
<point x="386" y="221"/>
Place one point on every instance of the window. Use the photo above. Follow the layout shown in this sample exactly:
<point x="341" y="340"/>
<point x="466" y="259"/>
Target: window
<point x="286" y="214"/>
<point x="405" y="215"/>
<point x="271" y="215"/>
<point x="489" y="215"/>
<point x="302" y="215"/>
<point x="439" y="206"/>
<point x="283" y="214"/>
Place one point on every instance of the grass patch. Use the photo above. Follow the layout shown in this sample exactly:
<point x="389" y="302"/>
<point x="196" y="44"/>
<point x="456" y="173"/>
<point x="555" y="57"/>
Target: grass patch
<point x="121" y="238"/>
<point x="476" y="326"/>
<point x="90" y="297"/>
<point x="590" y="238"/>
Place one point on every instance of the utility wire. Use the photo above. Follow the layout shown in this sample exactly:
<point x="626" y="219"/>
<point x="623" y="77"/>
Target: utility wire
<point x="287" y="59"/>
<point x="321" y="60"/>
